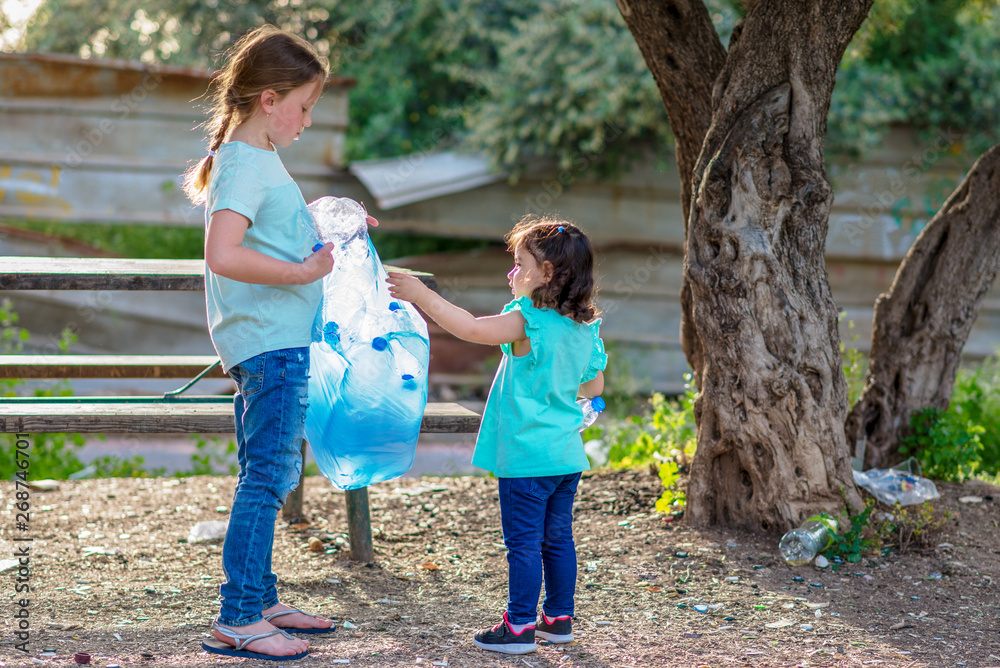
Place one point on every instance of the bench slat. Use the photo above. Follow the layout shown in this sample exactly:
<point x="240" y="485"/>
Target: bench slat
<point x="107" y="366"/>
<point x="101" y="273"/>
<point x="166" y="417"/>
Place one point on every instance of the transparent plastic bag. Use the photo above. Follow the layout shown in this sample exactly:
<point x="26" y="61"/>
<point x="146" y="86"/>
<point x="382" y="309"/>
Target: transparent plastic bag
<point x="367" y="363"/>
<point x="901" y="483"/>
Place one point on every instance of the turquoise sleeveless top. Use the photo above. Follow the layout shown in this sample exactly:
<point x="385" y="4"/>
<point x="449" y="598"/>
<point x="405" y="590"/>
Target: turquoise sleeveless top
<point x="531" y="423"/>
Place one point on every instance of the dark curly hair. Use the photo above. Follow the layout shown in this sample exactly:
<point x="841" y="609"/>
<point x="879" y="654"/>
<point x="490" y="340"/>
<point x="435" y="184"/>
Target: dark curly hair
<point x="568" y="250"/>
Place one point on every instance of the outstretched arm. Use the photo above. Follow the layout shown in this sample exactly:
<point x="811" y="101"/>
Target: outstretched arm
<point x="489" y="330"/>
<point x="227" y="256"/>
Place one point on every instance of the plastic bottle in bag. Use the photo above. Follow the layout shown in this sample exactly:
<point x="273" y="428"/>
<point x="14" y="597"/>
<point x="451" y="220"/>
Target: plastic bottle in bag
<point x="368" y="361"/>
<point x="799" y="546"/>
<point x="591" y="408"/>
<point x="344" y="222"/>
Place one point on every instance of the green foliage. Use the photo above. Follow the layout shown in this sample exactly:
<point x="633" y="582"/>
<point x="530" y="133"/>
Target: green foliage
<point x="855" y="365"/>
<point x="664" y="437"/>
<point x="977" y="396"/>
<point x="561" y="79"/>
<point x="165" y="242"/>
<point x="946" y="443"/>
<point x="851" y="545"/>
<point x="570" y="84"/>
<point x="876" y="532"/>
<point x="928" y="64"/>
<point x="212" y="456"/>
<point x="118" y="467"/>
<point x="912" y="526"/>
<point x="141" y="241"/>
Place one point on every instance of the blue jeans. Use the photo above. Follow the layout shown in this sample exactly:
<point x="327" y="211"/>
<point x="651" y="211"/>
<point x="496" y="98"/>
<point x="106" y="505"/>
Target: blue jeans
<point x="270" y="406"/>
<point x="537" y="519"/>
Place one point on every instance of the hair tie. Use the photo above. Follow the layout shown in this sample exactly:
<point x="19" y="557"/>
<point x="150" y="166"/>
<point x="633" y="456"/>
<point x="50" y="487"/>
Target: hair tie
<point x="561" y="229"/>
<point x="211" y="153"/>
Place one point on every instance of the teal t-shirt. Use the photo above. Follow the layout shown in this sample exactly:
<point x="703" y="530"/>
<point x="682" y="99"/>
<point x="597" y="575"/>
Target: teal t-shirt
<point x="531" y="423"/>
<point x="245" y="319"/>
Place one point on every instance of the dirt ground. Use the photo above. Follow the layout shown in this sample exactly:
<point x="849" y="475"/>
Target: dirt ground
<point x="112" y="574"/>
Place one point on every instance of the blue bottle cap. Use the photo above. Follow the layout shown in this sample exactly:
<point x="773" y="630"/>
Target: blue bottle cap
<point x="598" y="404"/>
<point x="407" y="376"/>
<point x="378" y="343"/>
<point x="317" y="247"/>
<point x="395" y="306"/>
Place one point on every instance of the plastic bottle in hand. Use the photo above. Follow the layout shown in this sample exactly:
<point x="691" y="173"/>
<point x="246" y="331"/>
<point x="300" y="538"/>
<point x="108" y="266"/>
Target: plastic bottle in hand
<point x="590" y="408"/>
<point x="799" y="546"/>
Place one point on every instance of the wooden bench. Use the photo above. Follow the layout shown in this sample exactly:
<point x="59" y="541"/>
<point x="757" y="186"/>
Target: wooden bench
<point x="173" y="412"/>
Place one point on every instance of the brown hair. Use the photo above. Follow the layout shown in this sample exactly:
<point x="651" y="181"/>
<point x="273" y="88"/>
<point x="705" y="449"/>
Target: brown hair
<point x="264" y="59"/>
<point x="567" y="248"/>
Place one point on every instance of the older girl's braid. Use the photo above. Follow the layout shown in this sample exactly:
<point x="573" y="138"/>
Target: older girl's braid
<point x="197" y="179"/>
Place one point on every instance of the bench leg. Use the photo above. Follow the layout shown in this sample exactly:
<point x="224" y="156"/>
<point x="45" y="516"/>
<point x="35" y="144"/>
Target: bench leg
<point x="359" y="525"/>
<point x="292" y="511"/>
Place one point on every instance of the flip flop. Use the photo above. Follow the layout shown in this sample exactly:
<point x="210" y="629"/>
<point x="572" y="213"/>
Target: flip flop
<point x="288" y="629"/>
<point x="215" y="646"/>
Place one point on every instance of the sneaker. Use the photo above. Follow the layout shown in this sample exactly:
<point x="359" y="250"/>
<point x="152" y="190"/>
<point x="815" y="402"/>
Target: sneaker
<point x="555" y="630"/>
<point x="501" y="638"/>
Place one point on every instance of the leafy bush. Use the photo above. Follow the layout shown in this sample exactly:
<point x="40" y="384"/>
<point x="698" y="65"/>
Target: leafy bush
<point x="927" y="64"/>
<point x="663" y="436"/>
<point x="871" y="532"/>
<point x="946" y="443"/>
<point x="855" y="365"/>
<point x="977" y="396"/>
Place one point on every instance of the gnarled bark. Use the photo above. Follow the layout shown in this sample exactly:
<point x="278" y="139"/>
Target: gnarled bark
<point x="923" y="321"/>
<point x="683" y="52"/>
<point x="772" y="398"/>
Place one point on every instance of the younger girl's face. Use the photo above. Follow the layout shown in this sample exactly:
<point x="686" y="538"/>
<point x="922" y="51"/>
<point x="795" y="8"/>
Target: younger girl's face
<point x="526" y="275"/>
<point x="291" y="113"/>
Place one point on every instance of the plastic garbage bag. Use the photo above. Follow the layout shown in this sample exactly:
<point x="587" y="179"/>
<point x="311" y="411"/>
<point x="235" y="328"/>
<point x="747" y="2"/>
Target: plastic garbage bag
<point x="901" y="483"/>
<point x="367" y="363"/>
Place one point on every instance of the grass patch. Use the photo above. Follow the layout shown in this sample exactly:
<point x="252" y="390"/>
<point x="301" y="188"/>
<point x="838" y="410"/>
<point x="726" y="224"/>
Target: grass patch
<point x="165" y="242"/>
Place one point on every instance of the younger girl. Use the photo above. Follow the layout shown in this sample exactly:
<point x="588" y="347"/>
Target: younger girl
<point x="262" y="297"/>
<point x="530" y="433"/>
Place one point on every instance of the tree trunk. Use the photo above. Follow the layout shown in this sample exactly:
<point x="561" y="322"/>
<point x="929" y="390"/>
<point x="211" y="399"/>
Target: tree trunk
<point x="684" y="54"/>
<point x="772" y="396"/>
<point x="923" y="322"/>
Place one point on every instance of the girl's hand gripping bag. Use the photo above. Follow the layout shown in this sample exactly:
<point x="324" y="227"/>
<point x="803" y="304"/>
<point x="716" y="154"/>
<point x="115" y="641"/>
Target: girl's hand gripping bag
<point x="368" y="360"/>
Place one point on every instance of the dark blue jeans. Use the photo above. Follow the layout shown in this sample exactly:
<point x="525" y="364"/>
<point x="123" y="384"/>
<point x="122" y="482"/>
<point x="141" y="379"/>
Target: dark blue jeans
<point x="270" y="405"/>
<point x="537" y="519"/>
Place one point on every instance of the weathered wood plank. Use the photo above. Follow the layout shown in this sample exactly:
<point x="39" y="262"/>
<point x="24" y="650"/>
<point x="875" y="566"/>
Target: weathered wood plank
<point x="185" y="418"/>
<point x="85" y="273"/>
<point x="359" y="525"/>
<point x="107" y="366"/>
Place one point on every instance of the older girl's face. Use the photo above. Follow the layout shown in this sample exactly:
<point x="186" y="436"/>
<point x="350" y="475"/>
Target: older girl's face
<point x="291" y="113"/>
<point x="526" y="275"/>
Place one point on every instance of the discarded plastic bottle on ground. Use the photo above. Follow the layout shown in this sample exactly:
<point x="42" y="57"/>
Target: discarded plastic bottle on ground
<point x="799" y="546"/>
<point x="591" y="408"/>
